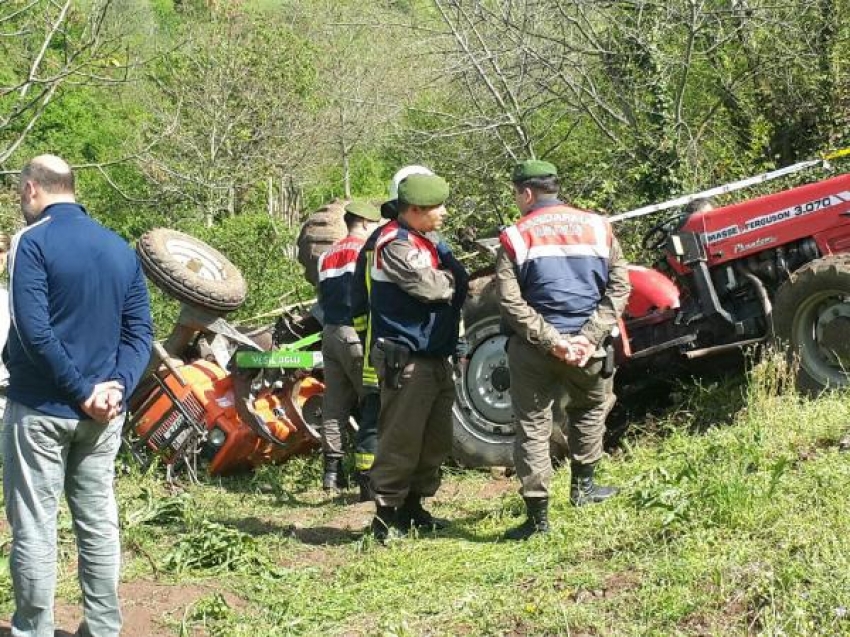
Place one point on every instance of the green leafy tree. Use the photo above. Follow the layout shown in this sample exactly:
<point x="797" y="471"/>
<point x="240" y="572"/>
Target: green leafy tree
<point x="665" y="96"/>
<point x="236" y="104"/>
<point x="48" y="47"/>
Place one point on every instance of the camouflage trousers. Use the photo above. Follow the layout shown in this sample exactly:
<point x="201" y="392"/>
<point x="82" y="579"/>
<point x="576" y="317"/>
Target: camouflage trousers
<point x="541" y="386"/>
<point x="414" y="430"/>
<point x="344" y="392"/>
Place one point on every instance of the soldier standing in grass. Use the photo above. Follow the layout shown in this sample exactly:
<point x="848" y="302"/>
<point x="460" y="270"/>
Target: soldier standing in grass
<point x="417" y="291"/>
<point x="361" y="287"/>
<point x="342" y="352"/>
<point x="563" y="284"/>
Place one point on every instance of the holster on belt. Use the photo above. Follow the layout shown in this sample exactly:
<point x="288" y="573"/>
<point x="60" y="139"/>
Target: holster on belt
<point x="608" y="364"/>
<point x="396" y="357"/>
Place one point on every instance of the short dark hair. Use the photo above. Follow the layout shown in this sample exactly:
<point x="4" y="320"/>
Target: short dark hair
<point x="389" y="209"/>
<point x="350" y="219"/>
<point x="51" y="181"/>
<point x="540" y="185"/>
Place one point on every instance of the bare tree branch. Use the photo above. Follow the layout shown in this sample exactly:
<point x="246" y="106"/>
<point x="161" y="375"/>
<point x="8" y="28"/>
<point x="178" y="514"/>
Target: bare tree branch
<point x="36" y="63"/>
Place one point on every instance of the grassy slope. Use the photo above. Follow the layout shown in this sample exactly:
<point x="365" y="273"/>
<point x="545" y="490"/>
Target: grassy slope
<point x="739" y="528"/>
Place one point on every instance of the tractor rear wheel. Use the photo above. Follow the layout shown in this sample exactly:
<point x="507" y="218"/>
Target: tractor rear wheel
<point x="483" y="416"/>
<point x="484" y="422"/>
<point x="322" y="229"/>
<point x="811" y="318"/>
<point x="190" y="271"/>
<point x="483" y="419"/>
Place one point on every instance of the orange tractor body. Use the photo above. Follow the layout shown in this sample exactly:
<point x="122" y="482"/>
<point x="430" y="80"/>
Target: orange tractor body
<point x="192" y="411"/>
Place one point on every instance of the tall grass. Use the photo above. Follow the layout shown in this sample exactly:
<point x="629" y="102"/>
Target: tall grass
<point x="732" y="520"/>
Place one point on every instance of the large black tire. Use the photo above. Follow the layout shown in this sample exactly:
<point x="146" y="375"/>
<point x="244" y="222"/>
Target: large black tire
<point x="319" y="232"/>
<point x="811" y="317"/>
<point x="484" y="423"/>
<point x="483" y="419"/>
<point x="191" y="271"/>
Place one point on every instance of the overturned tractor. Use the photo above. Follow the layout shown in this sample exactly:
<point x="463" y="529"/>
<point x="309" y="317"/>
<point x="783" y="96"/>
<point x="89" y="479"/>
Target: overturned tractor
<point x="214" y="395"/>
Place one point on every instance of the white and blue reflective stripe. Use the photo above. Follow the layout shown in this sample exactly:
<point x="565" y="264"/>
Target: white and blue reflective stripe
<point x="332" y="273"/>
<point x="518" y="244"/>
<point x="580" y="250"/>
<point x="522" y="252"/>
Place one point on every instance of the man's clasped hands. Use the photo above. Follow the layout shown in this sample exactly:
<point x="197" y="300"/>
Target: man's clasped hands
<point x="573" y="350"/>
<point x="105" y="401"/>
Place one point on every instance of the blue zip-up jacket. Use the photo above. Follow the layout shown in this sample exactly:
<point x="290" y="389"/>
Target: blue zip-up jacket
<point x="80" y="312"/>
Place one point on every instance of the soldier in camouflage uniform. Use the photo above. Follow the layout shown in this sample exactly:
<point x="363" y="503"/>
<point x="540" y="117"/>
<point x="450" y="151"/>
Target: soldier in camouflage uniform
<point x="417" y="291"/>
<point x="563" y="284"/>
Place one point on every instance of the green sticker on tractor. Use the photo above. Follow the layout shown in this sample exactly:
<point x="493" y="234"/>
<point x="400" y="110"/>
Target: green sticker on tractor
<point x="282" y="358"/>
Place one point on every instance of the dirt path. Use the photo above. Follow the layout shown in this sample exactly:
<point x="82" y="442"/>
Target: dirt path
<point x="148" y="609"/>
<point x="156" y="609"/>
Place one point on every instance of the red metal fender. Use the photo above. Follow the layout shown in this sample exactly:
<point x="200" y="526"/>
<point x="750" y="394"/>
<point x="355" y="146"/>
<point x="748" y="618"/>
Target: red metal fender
<point x="652" y="292"/>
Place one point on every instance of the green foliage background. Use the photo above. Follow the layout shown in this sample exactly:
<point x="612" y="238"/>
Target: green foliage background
<point x="181" y="113"/>
<point x="194" y="115"/>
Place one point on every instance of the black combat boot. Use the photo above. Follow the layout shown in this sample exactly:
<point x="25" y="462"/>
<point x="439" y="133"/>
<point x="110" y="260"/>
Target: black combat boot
<point x="411" y="514"/>
<point x="333" y="478"/>
<point x="583" y="490"/>
<point x="384" y="524"/>
<point x="364" y="483"/>
<point x="537" y="520"/>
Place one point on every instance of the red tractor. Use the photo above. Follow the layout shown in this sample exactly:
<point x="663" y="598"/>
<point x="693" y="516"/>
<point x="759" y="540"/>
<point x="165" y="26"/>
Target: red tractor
<point x="772" y="268"/>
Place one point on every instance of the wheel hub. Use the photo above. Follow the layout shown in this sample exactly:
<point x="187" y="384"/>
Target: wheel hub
<point x="201" y="263"/>
<point x="488" y="380"/>
<point x="501" y="379"/>
<point x="483" y="402"/>
<point x="832" y="331"/>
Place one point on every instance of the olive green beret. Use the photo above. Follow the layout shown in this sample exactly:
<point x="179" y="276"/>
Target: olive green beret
<point x="531" y="168"/>
<point x="423" y="190"/>
<point x="363" y="209"/>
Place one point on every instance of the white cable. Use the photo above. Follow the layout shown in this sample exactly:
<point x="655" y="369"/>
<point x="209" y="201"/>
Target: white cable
<point x="718" y="190"/>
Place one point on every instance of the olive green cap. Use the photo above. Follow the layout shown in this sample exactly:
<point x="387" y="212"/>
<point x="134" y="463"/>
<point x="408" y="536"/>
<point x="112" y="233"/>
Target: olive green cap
<point x="363" y="209"/>
<point x="423" y="190"/>
<point x="531" y="168"/>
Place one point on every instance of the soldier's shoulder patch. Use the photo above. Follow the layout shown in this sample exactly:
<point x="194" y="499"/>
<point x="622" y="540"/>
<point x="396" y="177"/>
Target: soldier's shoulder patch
<point x="418" y="259"/>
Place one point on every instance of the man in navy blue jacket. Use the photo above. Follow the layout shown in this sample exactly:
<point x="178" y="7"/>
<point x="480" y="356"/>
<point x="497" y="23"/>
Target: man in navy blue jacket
<point x="80" y="339"/>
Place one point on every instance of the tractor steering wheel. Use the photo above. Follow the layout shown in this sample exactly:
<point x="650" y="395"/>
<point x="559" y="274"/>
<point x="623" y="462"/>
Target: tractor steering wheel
<point x="655" y="237"/>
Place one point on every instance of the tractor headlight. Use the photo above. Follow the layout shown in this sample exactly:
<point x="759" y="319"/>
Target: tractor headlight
<point x="217" y="437"/>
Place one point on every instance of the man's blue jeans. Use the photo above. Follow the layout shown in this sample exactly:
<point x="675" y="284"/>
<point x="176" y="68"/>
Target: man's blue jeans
<point x="44" y="455"/>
